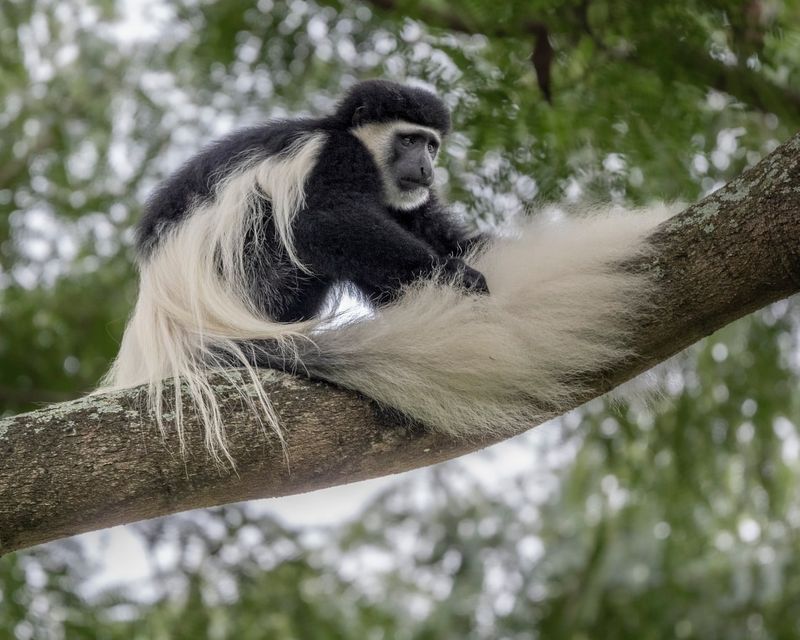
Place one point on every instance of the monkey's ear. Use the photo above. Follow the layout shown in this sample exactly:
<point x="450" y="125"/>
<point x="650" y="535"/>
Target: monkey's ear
<point x="359" y="114"/>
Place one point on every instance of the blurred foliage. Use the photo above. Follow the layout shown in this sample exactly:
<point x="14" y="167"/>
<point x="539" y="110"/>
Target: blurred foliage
<point x="677" y="518"/>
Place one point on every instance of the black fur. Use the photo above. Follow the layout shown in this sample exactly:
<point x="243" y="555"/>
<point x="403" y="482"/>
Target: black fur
<point x="196" y="179"/>
<point x="344" y="234"/>
<point x="383" y="101"/>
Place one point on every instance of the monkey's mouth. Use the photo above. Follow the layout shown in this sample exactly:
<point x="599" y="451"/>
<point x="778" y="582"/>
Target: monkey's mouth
<point x="407" y="184"/>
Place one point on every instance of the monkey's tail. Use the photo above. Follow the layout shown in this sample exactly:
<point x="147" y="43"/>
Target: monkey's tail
<point x="562" y="305"/>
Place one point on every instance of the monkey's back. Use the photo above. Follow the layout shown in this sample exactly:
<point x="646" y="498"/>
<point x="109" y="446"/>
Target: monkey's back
<point x="194" y="183"/>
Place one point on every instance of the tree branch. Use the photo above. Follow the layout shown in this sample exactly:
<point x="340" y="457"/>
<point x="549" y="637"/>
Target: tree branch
<point x="100" y="461"/>
<point x="692" y="64"/>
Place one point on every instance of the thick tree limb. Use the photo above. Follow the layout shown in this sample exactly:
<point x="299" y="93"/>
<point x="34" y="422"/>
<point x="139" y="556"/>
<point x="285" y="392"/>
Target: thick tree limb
<point x="98" y="461"/>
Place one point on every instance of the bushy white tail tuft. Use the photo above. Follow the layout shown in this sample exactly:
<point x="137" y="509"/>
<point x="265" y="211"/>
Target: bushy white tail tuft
<point x="560" y="307"/>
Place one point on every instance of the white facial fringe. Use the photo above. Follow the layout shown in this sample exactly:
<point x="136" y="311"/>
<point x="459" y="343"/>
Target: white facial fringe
<point x="377" y="137"/>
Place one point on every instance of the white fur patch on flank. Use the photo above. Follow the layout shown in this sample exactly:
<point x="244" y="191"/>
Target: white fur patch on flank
<point x="193" y="306"/>
<point x="378" y="137"/>
<point x="282" y="178"/>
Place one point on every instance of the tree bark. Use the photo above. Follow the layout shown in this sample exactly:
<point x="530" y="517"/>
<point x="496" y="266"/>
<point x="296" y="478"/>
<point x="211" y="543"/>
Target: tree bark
<point x="100" y="461"/>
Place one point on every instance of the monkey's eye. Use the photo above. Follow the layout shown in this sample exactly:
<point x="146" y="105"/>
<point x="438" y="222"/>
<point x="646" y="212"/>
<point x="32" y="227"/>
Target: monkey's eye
<point x="432" y="148"/>
<point x="406" y="141"/>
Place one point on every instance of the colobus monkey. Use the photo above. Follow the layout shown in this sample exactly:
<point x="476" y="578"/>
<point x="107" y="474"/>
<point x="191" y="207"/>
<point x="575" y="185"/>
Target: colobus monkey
<point x="348" y="198"/>
<point x="238" y="250"/>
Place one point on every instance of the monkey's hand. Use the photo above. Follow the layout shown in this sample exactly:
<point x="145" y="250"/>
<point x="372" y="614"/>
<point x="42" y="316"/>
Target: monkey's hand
<point x="466" y="277"/>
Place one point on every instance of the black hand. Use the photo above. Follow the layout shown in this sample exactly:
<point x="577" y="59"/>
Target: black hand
<point x="465" y="276"/>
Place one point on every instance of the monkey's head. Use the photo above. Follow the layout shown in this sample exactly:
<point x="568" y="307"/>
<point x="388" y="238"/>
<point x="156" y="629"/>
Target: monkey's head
<point x="402" y="127"/>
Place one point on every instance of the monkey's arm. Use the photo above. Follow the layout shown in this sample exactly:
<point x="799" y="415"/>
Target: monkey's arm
<point x="359" y="243"/>
<point x="435" y="224"/>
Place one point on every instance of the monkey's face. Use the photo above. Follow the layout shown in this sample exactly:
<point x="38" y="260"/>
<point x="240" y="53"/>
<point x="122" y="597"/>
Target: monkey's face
<point x="412" y="156"/>
<point x="404" y="153"/>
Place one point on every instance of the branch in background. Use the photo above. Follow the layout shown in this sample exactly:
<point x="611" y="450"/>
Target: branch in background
<point x="747" y="85"/>
<point x="542" y="59"/>
<point x="99" y="461"/>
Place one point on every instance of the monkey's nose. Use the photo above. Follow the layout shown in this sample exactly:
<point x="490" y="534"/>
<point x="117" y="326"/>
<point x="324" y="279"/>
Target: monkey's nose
<point x="426" y="175"/>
